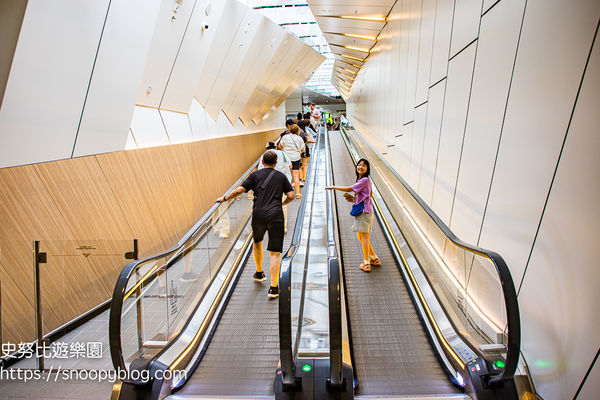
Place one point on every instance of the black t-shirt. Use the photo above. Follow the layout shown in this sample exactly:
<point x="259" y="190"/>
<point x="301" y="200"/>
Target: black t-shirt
<point x="267" y="201"/>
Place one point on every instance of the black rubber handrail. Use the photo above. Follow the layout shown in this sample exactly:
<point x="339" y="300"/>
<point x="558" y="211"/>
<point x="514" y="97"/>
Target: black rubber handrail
<point x="508" y="287"/>
<point x="120" y="290"/>
<point x="286" y="351"/>
<point x="334" y="285"/>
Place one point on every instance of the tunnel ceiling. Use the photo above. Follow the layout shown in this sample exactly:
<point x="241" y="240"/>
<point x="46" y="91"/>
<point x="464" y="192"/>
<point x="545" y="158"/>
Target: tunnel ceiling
<point x="351" y="29"/>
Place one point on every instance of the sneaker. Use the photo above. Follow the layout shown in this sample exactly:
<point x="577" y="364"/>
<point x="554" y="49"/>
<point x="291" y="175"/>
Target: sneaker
<point x="259" y="276"/>
<point x="273" y="292"/>
<point x="301" y="183"/>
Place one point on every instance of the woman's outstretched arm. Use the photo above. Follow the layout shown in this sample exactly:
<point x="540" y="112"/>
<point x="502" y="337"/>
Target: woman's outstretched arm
<point x="340" y="188"/>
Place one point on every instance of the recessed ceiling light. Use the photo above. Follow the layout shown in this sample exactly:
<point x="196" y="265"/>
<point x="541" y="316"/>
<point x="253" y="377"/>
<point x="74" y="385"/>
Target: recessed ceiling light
<point x="365" y="37"/>
<point x="363" y="50"/>
<point x="353" y="58"/>
<point x="365" y="18"/>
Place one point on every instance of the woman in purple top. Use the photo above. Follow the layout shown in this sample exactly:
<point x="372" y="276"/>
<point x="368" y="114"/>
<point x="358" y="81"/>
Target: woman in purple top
<point x="363" y="222"/>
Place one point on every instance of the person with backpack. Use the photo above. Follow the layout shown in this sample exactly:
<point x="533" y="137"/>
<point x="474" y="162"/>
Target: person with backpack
<point x="283" y="165"/>
<point x="293" y="146"/>
<point x="269" y="185"/>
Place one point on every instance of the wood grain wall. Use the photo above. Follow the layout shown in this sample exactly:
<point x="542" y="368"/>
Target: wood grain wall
<point x="103" y="201"/>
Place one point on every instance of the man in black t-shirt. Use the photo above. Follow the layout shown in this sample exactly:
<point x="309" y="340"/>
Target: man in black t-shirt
<point x="269" y="186"/>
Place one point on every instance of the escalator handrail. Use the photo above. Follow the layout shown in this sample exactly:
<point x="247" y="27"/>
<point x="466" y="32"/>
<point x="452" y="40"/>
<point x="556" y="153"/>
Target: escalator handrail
<point x="116" y="307"/>
<point x="334" y="285"/>
<point x="286" y="351"/>
<point x="506" y="281"/>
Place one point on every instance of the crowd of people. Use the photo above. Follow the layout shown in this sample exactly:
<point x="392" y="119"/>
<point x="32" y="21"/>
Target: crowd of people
<point x="277" y="181"/>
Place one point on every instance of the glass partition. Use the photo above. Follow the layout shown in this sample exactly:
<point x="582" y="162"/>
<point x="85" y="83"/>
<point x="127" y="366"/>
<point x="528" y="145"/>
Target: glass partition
<point x="78" y="275"/>
<point x="163" y="292"/>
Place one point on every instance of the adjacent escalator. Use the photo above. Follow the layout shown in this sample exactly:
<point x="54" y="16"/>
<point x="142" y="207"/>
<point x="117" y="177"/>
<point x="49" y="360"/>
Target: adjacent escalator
<point x="192" y="321"/>
<point x="419" y="325"/>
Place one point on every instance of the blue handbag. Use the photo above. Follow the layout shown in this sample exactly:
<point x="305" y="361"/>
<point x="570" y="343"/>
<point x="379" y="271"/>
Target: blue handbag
<point x="357" y="209"/>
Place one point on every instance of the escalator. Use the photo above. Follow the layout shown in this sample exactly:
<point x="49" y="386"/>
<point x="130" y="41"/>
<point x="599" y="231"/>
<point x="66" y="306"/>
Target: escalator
<point x="192" y="322"/>
<point x="438" y="318"/>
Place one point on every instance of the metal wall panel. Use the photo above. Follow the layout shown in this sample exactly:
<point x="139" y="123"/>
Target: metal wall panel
<point x="263" y="50"/>
<point x="425" y="50"/>
<point x="147" y="127"/>
<point x="560" y="289"/>
<point x="234" y="61"/>
<point x="465" y="27"/>
<point x="435" y="107"/>
<point x="116" y="77"/>
<point x="441" y="40"/>
<point x="194" y="52"/>
<point x="491" y="81"/>
<point x="416" y="152"/>
<point x="226" y="30"/>
<point x="177" y="126"/>
<point x="537" y="116"/>
<point x="290" y="48"/>
<point x="413" y="59"/>
<point x="166" y="39"/>
<point x="456" y="102"/>
<point x="404" y="9"/>
<point x="48" y="80"/>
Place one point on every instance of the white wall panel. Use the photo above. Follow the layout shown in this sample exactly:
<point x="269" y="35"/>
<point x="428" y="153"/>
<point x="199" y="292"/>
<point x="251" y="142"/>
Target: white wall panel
<point x="591" y="388"/>
<point x="403" y="147"/>
<point x="193" y="54"/>
<point x="279" y="65"/>
<point x="233" y="62"/>
<point x="166" y="39"/>
<point x="177" y="126"/>
<point x="268" y="41"/>
<point x="404" y="8"/>
<point x="393" y="29"/>
<point x="226" y="30"/>
<point x="458" y="84"/>
<point x="561" y="338"/>
<point x="197" y="116"/>
<point x="425" y="50"/>
<point x="536" y="120"/>
<point x="487" y="4"/>
<point x="496" y="51"/>
<point x="441" y="40"/>
<point x="284" y="75"/>
<point x="416" y="152"/>
<point x="130" y="145"/>
<point x="435" y="107"/>
<point x="116" y="78"/>
<point x="465" y="26"/>
<point x="48" y="80"/>
<point x="147" y="127"/>
<point x="413" y="60"/>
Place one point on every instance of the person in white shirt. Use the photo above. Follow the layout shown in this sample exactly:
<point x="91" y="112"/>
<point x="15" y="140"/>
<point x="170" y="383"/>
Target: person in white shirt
<point x="283" y="165"/>
<point x="315" y="115"/>
<point x="293" y="145"/>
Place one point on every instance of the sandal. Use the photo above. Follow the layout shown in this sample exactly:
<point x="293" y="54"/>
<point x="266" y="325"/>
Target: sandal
<point x="376" y="262"/>
<point x="365" y="267"/>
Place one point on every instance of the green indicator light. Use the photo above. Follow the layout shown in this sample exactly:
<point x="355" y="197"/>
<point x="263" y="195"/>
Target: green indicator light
<point x="500" y="364"/>
<point x="306" y="368"/>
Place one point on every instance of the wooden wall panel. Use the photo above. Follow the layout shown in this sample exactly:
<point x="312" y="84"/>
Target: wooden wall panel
<point x="153" y="194"/>
<point x="27" y="213"/>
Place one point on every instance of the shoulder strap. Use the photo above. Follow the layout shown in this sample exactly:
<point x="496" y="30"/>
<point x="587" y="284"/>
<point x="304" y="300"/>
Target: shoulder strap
<point x="262" y="186"/>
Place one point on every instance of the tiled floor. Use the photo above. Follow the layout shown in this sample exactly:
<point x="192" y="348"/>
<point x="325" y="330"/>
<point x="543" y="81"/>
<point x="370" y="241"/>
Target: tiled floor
<point x="53" y="385"/>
